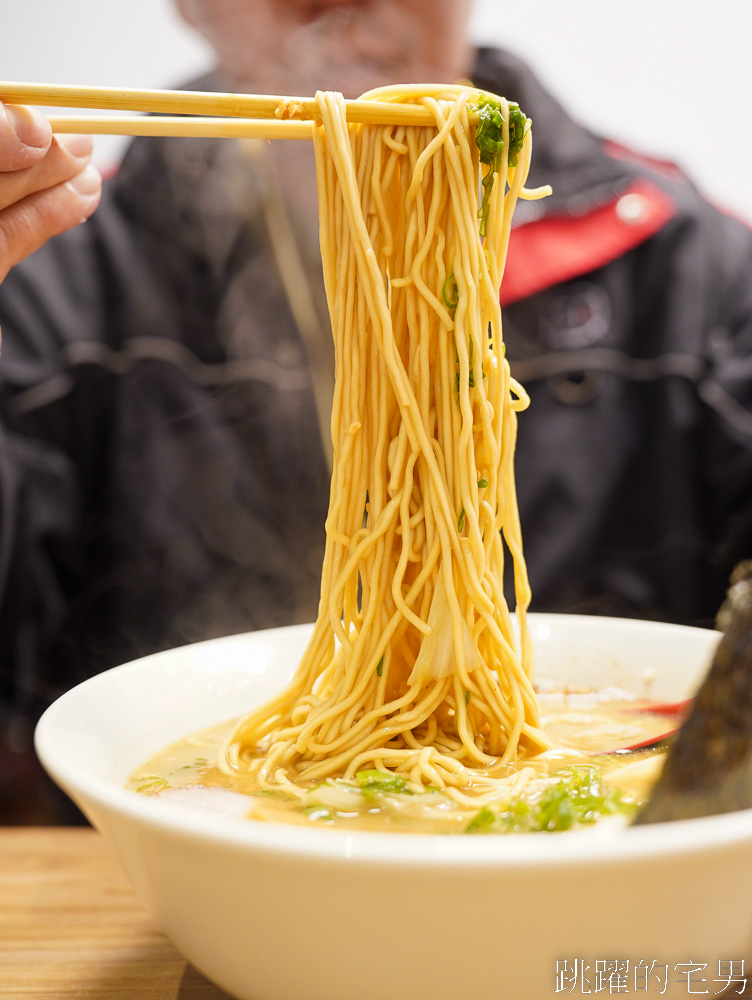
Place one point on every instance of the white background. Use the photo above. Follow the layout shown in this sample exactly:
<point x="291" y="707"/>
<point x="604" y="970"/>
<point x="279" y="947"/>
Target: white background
<point x="669" y="79"/>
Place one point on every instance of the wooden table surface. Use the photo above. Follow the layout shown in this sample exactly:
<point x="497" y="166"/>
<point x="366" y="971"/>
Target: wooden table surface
<point x="71" y="926"/>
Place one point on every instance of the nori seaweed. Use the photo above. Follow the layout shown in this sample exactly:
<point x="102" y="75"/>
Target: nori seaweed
<point x="708" y="769"/>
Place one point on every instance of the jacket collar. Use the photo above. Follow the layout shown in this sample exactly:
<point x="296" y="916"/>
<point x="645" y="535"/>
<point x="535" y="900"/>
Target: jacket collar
<point x="566" y="155"/>
<point x="605" y="201"/>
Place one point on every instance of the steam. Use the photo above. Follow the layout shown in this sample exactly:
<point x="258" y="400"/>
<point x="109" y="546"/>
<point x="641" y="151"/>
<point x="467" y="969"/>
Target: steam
<point x="347" y="48"/>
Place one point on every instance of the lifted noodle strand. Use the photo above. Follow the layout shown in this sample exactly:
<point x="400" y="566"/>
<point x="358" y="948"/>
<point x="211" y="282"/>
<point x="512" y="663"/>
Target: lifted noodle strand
<point x="413" y="665"/>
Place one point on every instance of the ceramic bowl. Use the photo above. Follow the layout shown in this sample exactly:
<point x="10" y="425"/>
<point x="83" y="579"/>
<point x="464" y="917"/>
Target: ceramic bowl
<point x="275" y="912"/>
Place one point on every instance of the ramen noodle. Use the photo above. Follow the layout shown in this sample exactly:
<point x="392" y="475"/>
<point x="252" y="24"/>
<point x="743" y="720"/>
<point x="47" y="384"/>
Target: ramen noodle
<point x="413" y="666"/>
<point x="415" y="676"/>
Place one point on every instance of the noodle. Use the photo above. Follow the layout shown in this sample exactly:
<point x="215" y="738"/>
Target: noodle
<point x="413" y="666"/>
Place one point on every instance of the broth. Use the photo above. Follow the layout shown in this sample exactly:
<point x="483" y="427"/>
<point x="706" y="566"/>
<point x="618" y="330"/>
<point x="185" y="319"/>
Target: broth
<point x="581" y="781"/>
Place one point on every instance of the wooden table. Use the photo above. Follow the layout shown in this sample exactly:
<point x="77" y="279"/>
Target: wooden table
<point x="71" y="926"/>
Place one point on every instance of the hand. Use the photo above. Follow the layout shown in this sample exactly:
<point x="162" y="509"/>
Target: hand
<point x="47" y="184"/>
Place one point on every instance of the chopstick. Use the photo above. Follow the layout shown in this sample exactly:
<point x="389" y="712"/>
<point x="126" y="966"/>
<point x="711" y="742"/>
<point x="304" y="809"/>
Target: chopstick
<point x="185" y="102"/>
<point x="185" y="126"/>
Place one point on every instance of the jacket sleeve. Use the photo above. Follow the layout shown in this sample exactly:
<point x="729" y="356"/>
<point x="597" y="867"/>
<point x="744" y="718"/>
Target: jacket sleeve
<point x="39" y="528"/>
<point x="51" y="428"/>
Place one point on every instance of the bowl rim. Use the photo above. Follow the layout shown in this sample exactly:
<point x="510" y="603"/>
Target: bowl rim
<point x="589" y="847"/>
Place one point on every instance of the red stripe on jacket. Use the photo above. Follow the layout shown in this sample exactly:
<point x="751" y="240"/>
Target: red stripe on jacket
<point x="548" y="251"/>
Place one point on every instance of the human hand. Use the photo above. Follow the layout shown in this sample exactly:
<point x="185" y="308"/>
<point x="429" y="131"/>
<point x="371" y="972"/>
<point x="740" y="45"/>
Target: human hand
<point x="47" y="184"/>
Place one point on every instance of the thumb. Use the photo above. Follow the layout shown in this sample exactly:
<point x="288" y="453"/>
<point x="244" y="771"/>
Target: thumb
<point x="25" y="136"/>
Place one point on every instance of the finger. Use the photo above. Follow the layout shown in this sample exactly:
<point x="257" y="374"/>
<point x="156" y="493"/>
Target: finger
<point x="25" y="136"/>
<point x="25" y="226"/>
<point x="66" y="157"/>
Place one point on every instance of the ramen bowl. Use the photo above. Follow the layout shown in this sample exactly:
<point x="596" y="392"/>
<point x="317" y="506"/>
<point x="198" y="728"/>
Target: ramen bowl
<point x="276" y="912"/>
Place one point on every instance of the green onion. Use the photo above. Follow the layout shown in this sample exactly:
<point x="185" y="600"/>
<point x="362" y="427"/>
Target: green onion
<point x="482" y="483"/>
<point x="577" y="800"/>
<point x="374" y="782"/>
<point x="273" y="793"/>
<point x="489" y="138"/>
<point x="467" y="697"/>
<point x="450" y="293"/>
<point x="461" y="521"/>
<point x="320" y="813"/>
<point x="153" y="784"/>
<point x="483" y="821"/>
<point x="380" y="667"/>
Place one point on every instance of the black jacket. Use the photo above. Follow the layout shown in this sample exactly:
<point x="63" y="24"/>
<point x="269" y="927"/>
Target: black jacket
<point x="162" y="475"/>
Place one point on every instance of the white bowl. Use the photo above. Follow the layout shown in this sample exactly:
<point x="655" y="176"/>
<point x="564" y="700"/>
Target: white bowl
<point x="274" y="912"/>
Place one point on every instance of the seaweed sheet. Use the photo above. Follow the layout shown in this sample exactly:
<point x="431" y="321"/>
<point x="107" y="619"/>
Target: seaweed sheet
<point x="709" y="766"/>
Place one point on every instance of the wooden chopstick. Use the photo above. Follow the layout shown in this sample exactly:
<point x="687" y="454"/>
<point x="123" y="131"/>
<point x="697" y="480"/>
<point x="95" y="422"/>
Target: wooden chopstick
<point x="186" y="102"/>
<point x="185" y="126"/>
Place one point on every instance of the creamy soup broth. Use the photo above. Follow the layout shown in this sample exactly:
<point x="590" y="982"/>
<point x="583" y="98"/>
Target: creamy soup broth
<point x="587" y="776"/>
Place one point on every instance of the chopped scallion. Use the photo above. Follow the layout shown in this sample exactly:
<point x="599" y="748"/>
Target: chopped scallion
<point x="450" y="292"/>
<point x="152" y="784"/>
<point x="489" y="138"/>
<point x="373" y="782"/>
